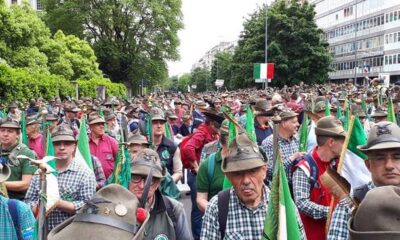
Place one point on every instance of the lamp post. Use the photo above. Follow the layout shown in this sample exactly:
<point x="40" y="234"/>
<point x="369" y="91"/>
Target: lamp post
<point x="266" y="40"/>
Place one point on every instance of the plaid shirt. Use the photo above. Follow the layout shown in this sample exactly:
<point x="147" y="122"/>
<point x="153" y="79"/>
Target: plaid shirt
<point x="98" y="172"/>
<point x="338" y="228"/>
<point x="242" y="222"/>
<point x="76" y="184"/>
<point x="25" y="218"/>
<point x="287" y="148"/>
<point x="301" y="194"/>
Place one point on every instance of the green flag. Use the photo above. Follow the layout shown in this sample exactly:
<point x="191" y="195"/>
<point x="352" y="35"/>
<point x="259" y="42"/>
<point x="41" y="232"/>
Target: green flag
<point x="250" y="124"/>
<point x="149" y="130"/>
<point x="304" y="134"/>
<point x="327" y="108"/>
<point x="390" y="111"/>
<point x="122" y="172"/>
<point x="346" y="115"/>
<point x="24" y="136"/>
<point x="82" y="153"/>
<point x="281" y="219"/>
<point x="339" y="114"/>
<point x="167" y="131"/>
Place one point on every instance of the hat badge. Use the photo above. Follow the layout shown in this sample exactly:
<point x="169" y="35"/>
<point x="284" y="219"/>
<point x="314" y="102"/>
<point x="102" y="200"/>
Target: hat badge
<point x="120" y="210"/>
<point x="383" y="130"/>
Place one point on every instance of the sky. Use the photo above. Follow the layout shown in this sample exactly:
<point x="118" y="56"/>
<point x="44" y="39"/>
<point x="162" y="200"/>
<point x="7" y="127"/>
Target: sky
<point x="207" y="23"/>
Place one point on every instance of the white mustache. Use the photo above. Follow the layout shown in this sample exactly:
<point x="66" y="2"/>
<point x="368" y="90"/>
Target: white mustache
<point x="248" y="187"/>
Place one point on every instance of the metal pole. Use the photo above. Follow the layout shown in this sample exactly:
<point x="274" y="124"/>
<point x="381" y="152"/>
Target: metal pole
<point x="266" y="40"/>
<point x="275" y="146"/>
<point x="42" y="230"/>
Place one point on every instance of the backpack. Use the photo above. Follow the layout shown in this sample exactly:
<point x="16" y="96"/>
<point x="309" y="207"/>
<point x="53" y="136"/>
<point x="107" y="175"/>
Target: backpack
<point x="185" y="159"/>
<point x="312" y="168"/>
<point x="13" y="209"/>
<point x="170" y="210"/>
<point x="223" y="205"/>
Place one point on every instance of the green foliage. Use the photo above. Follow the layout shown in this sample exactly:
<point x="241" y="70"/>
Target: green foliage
<point x="294" y="45"/>
<point x="202" y="78"/>
<point x="22" y="85"/>
<point x="221" y="67"/>
<point x="132" y="39"/>
<point x="89" y="88"/>
<point x="183" y="82"/>
<point x="26" y="42"/>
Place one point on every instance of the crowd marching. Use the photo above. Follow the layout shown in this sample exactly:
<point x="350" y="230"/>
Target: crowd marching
<point x="302" y="162"/>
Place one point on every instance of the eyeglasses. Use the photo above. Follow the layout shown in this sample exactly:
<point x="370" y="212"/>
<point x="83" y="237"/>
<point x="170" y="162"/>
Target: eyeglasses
<point x="138" y="178"/>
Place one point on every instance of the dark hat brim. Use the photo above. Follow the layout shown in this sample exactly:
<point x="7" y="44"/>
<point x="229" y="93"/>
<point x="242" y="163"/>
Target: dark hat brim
<point x="97" y="120"/>
<point x="213" y="116"/>
<point x="380" y="146"/>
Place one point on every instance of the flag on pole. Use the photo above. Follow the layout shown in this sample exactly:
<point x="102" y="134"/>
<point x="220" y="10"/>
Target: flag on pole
<point x="250" y="124"/>
<point x="167" y="131"/>
<point x="122" y="172"/>
<point x="339" y="114"/>
<point x="391" y="114"/>
<point x="82" y="153"/>
<point x="327" y="108"/>
<point x="352" y="166"/>
<point x="260" y="71"/>
<point x="24" y="136"/>
<point x="281" y="220"/>
<point x="304" y="130"/>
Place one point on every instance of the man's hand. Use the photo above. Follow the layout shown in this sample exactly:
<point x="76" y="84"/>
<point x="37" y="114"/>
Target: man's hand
<point x="194" y="166"/>
<point x="297" y="155"/>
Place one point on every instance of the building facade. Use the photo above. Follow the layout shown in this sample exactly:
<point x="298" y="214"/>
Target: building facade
<point x="35" y="4"/>
<point x="364" y="37"/>
<point x="208" y="58"/>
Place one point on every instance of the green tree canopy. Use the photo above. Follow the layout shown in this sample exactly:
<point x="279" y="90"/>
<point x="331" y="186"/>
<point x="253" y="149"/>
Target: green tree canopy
<point x="132" y="39"/>
<point x="201" y="77"/>
<point x="221" y="67"/>
<point x="294" y="45"/>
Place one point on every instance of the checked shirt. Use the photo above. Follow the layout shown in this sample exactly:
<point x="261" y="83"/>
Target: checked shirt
<point x="76" y="184"/>
<point x="242" y="222"/>
<point x="287" y="149"/>
<point x="338" y="228"/>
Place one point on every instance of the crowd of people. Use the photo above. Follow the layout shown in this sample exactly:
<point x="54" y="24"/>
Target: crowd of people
<point x="202" y="139"/>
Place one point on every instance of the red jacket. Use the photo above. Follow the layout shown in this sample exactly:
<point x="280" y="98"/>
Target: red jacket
<point x="203" y="135"/>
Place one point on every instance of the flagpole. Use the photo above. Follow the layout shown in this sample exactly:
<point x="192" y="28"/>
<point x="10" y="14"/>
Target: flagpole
<point x="276" y="120"/>
<point x="42" y="229"/>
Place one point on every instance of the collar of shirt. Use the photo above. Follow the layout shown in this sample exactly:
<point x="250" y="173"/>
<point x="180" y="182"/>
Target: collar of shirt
<point x="73" y="166"/>
<point x="281" y="139"/>
<point x="263" y="203"/>
<point x="101" y="138"/>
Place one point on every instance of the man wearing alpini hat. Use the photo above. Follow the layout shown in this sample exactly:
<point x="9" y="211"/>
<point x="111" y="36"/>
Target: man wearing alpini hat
<point x="383" y="161"/>
<point x="167" y="216"/>
<point x="239" y="213"/>
<point x="76" y="182"/>
<point x="310" y="196"/>
<point x="21" y="169"/>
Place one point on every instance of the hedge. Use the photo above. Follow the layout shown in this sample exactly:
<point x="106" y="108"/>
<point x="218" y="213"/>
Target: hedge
<point x="18" y="84"/>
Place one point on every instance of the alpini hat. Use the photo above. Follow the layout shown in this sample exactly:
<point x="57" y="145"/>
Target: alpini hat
<point x="9" y="123"/>
<point x="136" y="138"/>
<point x="383" y="204"/>
<point x="330" y="127"/>
<point x="113" y="212"/>
<point x="383" y="135"/>
<point x="144" y="161"/>
<point x="63" y="133"/>
<point x="244" y="154"/>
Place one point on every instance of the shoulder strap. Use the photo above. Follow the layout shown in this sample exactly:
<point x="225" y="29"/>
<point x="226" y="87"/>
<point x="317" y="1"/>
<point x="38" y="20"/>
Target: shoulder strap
<point x="211" y="167"/>
<point x="223" y="205"/>
<point x="13" y="209"/>
<point x="170" y="210"/>
<point x="360" y="192"/>
<point x="313" y="169"/>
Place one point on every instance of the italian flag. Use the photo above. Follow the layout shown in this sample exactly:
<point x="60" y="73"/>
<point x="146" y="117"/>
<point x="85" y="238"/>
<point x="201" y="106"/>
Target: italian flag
<point x="351" y="165"/>
<point x="260" y="71"/>
<point x="82" y="153"/>
<point x="281" y="220"/>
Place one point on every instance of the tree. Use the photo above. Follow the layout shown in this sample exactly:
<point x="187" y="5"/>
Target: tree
<point x="184" y="82"/>
<point x="132" y="39"/>
<point x="294" y="45"/>
<point x="221" y="67"/>
<point x="26" y="42"/>
<point x="201" y="77"/>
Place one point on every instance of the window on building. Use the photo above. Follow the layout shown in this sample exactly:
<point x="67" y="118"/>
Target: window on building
<point x="390" y="60"/>
<point x="394" y="59"/>
<point x="398" y="58"/>
<point x="395" y="16"/>
<point x="390" y="37"/>
<point x="14" y="1"/>
<point x="337" y="17"/>
<point x="386" y="60"/>
<point x="391" y="17"/>
<point x="382" y="19"/>
<point x="371" y="23"/>
<point x="387" y="17"/>
<point x="375" y="22"/>
<point x="395" y="37"/>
